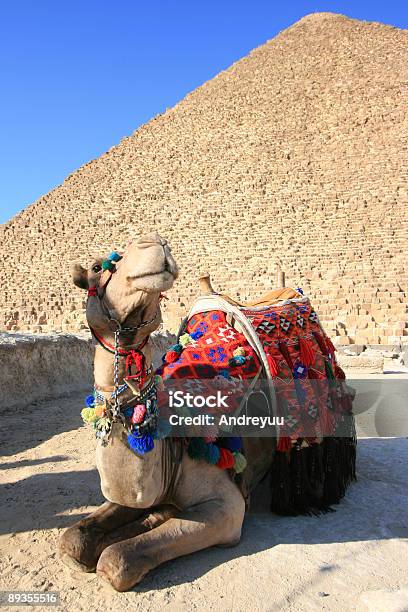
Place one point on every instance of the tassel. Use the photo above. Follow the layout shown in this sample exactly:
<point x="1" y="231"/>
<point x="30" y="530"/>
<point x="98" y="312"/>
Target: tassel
<point x="306" y="351"/>
<point x="108" y="265"/>
<point x="315" y="465"/>
<point x="305" y="500"/>
<point x="320" y="341"/>
<point x="233" y="443"/>
<point x="330" y="346"/>
<point x="285" y="352"/>
<point x="100" y="410"/>
<point x="171" y="356"/>
<point x="331" y="461"/>
<point x="114" y="256"/>
<point x="213" y="454"/>
<point x="284" y="444"/>
<point x="184" y="340"/>
<point x="138" y="359"/>
<point x="140" y="444"/>
<point x="89" y="415"/>
<point x="197" y="448"/>
<point x="281" y="485"/>
<point x="238" y="360"/>
<point x="226" y="459"/>
<point x="90" y="401"/>
<point x="273" y="366"/>
<point x="139" y="412"/>
<point x="329" y="370"/>
<point x="177" y="348"/>
<point x="240" y="463"/>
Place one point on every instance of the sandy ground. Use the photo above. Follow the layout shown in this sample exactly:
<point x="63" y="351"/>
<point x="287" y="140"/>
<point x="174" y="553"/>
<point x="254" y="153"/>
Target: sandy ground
<point x="354" y="559"/>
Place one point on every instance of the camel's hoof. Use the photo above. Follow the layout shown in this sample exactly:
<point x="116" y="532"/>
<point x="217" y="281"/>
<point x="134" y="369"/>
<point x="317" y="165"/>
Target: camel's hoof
<point x="80" y="548"/>
<point x="74" y="564"/>
<point x="122" y="571"/>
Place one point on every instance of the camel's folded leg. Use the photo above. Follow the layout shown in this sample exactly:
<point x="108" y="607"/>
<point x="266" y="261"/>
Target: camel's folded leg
<point x="214" y="522"/>
<point x="81" y="545"/>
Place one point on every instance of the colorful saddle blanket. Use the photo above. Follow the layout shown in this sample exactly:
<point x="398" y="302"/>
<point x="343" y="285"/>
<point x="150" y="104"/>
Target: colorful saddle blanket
<point x="292" y="350"/>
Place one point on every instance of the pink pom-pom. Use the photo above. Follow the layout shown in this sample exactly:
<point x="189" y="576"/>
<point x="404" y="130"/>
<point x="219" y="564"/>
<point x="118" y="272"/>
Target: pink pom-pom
<point x="138" y="415"/>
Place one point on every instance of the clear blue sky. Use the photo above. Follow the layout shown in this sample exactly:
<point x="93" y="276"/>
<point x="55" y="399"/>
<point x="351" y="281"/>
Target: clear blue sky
<point x="78" y="75"/>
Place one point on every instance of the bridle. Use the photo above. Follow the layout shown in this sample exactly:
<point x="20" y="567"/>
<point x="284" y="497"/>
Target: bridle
<point x="131" y="353"/>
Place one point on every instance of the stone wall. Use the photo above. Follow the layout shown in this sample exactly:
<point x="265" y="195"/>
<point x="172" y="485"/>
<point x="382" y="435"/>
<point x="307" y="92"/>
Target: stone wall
<point x="35" y="367"/>
<point x="296" y="153"/>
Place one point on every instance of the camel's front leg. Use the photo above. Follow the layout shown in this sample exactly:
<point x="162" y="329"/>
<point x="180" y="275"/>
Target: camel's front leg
<point x="81" y="545"/>
<point x="214" y="522"/>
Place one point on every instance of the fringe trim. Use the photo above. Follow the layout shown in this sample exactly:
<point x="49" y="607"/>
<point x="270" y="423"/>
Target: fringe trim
<point x="273" y="366"/>
<point x="310" y="478"/>
<point x="306" y="352"/>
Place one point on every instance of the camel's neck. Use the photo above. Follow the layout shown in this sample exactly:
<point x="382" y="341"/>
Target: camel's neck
<point x="127" y="478"/>
<point x="104" y="365"/>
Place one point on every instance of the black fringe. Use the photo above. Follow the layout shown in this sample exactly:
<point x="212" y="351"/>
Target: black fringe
<point x="314" y="476"/>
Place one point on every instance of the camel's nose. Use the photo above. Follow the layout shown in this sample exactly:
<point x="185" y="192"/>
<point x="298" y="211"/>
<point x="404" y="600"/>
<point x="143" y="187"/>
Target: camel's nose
<point x="152" y="239"/>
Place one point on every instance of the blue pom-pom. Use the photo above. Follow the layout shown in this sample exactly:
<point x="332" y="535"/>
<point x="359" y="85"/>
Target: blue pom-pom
<point x="197" y="448"/>
<point x="212" y="454"/>
<point x="128" y="412"/>
<point x="177" y="348"/>
<point x="238" y="360"/>
<point x="114" y="256"/>
<point x="196" y="335"/>
<point x="90" y="401"/>
<point x="140" y="444"/>
<point x="108" y="265"/>
<point x="234" y="444"/>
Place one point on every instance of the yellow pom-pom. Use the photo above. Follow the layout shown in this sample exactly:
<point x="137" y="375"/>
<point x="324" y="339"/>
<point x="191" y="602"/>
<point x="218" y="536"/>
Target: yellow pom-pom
<point x="239" y="352"/>
<point x="101" y="423"/>
<point x="240" y="462"/>
<point x="89" y="415"/>
<point x="185" y="340"/>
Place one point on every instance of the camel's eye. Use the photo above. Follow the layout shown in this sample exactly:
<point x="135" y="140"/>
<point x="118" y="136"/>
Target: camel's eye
<point x="96" y="268"/>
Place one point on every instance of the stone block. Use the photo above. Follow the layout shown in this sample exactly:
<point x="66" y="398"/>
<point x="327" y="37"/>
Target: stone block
<point x="369" y="362"/>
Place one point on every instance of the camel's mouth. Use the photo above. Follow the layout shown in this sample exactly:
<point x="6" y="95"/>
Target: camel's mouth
<point x="148" y="265"/>
<point x="154" y="281"/>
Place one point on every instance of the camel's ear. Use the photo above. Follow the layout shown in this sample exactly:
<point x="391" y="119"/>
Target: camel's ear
<point x="80" y="276"/>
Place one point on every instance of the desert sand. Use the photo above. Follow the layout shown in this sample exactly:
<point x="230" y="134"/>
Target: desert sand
<point x="353" y="559"/>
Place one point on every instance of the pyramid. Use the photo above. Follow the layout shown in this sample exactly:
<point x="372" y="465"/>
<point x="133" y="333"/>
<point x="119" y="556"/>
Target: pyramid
<point x="296" y="153"/>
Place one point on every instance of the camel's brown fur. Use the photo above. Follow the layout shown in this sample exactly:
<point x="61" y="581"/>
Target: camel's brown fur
<point x="157" y="509"/>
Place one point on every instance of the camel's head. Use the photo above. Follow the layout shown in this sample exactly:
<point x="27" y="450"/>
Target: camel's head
<point x="129" y="291"/>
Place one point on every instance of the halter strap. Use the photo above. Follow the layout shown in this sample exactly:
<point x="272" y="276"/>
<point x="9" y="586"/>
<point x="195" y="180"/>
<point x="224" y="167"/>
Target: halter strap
<point x="111" y="349"/>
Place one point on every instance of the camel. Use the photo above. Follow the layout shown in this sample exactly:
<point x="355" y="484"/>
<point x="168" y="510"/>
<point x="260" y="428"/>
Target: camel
<point x="160" y="504"/>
